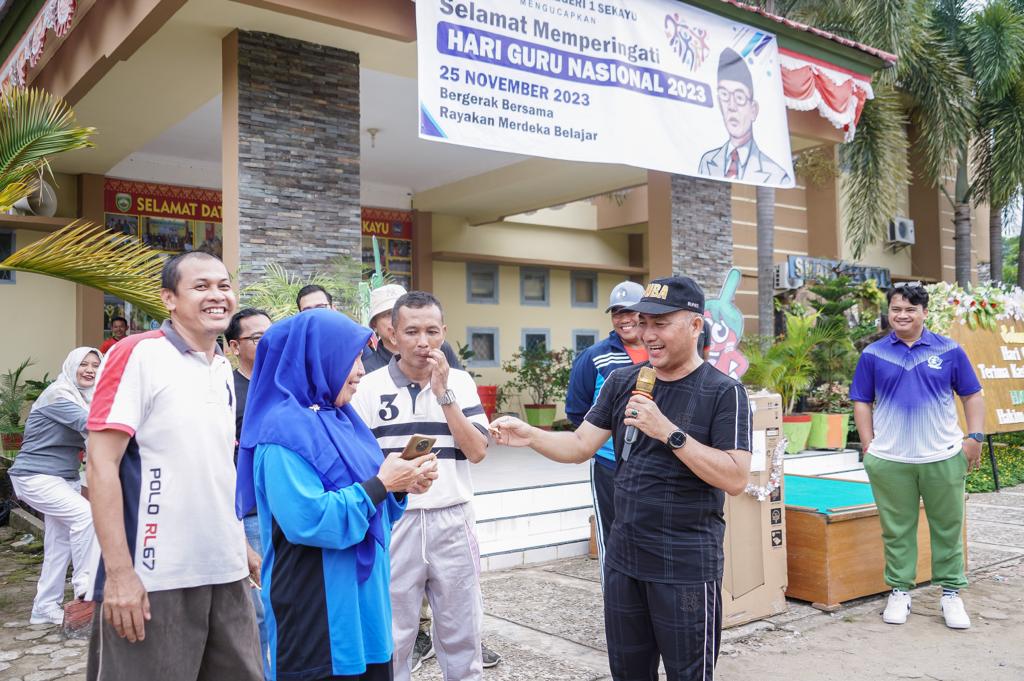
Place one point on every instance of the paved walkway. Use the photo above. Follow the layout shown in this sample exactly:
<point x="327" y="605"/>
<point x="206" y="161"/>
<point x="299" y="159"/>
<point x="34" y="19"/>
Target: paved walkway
<point x="546" y="621"/>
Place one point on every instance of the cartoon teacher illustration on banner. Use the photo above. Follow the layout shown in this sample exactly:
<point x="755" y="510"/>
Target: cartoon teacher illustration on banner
<point x="739" y="158"/>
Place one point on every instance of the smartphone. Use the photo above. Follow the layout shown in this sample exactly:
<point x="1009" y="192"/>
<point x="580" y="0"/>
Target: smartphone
<point x="417" y="446"/>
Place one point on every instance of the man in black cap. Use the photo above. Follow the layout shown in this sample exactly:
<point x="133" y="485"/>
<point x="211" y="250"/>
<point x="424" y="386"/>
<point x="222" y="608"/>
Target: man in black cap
<point x="739" y="158"/>
<point x="664" y="559"/>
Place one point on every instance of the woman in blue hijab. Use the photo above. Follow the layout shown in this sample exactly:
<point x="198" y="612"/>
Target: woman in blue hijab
<point x="326" y="499"/>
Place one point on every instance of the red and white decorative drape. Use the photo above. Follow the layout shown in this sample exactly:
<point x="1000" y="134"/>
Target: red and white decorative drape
<point x="836" y="93"/>
<point x="56" y="16"/>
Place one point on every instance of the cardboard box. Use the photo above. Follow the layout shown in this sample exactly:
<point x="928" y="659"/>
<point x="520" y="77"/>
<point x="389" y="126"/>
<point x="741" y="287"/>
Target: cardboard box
<point x="754" y="583"/>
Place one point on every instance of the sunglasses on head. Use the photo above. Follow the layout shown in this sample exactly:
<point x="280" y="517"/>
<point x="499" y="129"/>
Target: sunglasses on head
<point x="908" y="285"/>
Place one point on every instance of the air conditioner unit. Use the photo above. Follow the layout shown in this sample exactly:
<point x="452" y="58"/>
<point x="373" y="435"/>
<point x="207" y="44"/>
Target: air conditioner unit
<point x="784" y="280"/>
<point x="901" y="231"/>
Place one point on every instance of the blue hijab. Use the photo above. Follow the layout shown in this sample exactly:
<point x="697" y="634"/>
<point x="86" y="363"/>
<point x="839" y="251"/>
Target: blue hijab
<point x="301" y="363"/>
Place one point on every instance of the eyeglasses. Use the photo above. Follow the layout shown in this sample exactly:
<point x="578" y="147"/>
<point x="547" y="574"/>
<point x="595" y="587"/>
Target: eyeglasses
<point x="908" y="285"/>
<point x="255" y="338"/>
<point x="737" y="97"/>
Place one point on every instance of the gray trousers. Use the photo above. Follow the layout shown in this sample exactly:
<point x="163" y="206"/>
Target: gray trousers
<point x="205" y="633"/>
<point x="435" y="552"/>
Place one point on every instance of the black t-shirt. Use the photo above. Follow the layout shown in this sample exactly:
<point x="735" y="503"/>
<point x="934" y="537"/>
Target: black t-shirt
<point x="241" y="393"/>
<point x="669" y="524"/>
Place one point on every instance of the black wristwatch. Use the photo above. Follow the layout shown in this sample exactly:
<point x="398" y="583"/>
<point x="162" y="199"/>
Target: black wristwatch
<point x="977" y="437"/>
<point x="676" y="439"/>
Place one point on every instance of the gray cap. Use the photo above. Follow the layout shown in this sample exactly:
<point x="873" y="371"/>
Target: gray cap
<point x="624" y="294"/>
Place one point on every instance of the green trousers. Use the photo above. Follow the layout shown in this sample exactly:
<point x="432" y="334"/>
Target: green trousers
<point x="898" y="489"/>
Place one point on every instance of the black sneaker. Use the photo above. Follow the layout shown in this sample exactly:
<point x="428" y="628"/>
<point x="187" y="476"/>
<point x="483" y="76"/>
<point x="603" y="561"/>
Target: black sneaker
<point x="423" y="649"/>
<point x="490" y="658"/>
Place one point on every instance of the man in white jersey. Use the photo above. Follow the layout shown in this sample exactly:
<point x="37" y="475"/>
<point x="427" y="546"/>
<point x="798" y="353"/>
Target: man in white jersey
<point x="174" y="575"/>
<point x="433" y="547"/>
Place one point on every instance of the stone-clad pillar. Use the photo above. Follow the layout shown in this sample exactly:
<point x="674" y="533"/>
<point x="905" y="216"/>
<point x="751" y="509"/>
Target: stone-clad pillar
<point x="291" y="154"/>
<point x="702" y="230"/>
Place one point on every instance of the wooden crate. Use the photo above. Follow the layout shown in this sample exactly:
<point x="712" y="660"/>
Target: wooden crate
<point x="838" y="556"/>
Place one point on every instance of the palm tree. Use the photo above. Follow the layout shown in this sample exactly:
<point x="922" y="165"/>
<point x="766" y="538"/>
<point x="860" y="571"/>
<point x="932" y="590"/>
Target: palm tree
<point x="33" y="127"/>
<point x="991" y="44"/>
<point x="993" y="39"/>
<point x="928" y="87"/>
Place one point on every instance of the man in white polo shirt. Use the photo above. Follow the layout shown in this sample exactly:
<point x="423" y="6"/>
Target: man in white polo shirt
<point x="433" y="547"/>
<point x="173" y="578"/>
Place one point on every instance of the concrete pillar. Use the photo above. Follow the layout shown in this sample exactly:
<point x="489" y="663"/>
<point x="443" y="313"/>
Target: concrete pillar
<point x="291" y="154"/>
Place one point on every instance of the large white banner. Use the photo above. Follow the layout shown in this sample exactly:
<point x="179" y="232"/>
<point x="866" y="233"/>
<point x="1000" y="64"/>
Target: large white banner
<point x="650" y="83"/>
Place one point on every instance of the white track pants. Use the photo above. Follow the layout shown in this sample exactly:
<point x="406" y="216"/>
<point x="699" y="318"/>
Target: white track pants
<point x="435" y="552"/>
<point x="69" y="534"/>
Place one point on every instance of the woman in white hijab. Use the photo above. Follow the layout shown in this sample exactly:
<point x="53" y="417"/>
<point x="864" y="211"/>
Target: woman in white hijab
<point x="45" y="476"/>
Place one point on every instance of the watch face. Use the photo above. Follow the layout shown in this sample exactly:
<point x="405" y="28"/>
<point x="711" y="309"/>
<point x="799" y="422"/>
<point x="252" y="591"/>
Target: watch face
<point x="677" y="439"/>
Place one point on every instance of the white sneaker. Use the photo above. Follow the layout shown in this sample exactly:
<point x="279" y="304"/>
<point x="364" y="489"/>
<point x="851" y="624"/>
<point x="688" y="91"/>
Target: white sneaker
<point x="898" y="607"/>
<point x="954" y="612"/>
<point x="52" y="615"/>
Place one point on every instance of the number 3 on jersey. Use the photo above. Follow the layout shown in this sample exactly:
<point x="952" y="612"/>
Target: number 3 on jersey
<point x="388" y="410"/>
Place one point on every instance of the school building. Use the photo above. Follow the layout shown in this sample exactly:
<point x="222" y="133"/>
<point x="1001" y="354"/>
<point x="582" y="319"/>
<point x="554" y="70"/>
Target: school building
<point x="283" y="130"/>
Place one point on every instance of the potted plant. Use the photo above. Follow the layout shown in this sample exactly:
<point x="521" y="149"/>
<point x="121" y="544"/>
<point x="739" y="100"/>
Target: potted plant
<point x="488" y="393"/>
<point x="830" y="421"/>
<point x="787" y="367"/>
<point x="14" y="392"/>
<point x="544" y="376"/>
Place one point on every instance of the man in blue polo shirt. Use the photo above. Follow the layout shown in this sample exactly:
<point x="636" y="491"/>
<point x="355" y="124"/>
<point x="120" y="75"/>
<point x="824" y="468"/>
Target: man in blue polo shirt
<point x="906" y="415"/>
<point x="622" y="348"/>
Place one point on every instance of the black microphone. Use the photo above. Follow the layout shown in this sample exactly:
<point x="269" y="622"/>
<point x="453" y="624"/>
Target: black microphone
<point x="645" y="381"/>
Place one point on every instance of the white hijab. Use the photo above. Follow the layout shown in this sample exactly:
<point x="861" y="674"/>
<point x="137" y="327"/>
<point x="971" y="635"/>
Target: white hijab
<point x="66" y="386"/>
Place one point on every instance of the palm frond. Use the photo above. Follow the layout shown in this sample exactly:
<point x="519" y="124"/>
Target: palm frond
<point x="276" y="289"/>
<point x="998" y="149"/>
<point x="994" y="43"/>
<point x="876" y="169"/>
<point x="934" y="75"/>
<point x="834" y="16"/>
<point x="33" y="126"/>
<point x="91" y="255"/>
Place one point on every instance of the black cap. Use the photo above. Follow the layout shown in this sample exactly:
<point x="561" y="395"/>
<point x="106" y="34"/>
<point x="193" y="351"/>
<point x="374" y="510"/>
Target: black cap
<point x="732" y="67"/>
<point x="671" y="294"/>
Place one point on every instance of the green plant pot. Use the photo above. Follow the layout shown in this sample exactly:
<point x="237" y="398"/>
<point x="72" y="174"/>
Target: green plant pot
<point x="540" y="415"/>
<point x="828" y="431"/>
<point x="796" y="427"/>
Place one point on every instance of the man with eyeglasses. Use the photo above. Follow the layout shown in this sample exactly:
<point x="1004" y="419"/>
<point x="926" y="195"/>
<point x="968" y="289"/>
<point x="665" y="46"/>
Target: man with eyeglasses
<point x="905" y="411"/>
<point x="739" y="158"/>
<point x="243" y="335"/>
<point x="313" y="297"/>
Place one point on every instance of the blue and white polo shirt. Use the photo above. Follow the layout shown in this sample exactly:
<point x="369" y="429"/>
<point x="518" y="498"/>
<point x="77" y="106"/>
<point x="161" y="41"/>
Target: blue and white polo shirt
<point x="912" y="388"/>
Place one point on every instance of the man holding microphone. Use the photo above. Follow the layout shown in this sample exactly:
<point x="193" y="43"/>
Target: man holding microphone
<point x="677" y="453"/>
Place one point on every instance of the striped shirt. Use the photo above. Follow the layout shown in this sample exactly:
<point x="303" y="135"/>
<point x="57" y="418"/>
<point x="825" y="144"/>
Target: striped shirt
<point x="177" y="473"/>
<point x="912" y="388"/>
<point x="669" y="523"/>
<point x="395" y="409"/>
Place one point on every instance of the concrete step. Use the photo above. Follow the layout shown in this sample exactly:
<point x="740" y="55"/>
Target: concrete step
<point x="532" y="523"/>
<point x="517" y="501"/>
<point x="820" y="462"/>
<point x="855" y="474"/>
